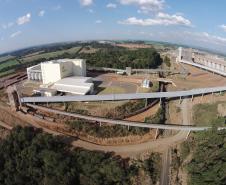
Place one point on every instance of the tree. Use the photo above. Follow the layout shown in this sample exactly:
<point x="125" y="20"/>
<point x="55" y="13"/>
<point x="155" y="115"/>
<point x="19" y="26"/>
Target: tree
<point x="28" y="156"/>
<point x="208" y="165"/>
<point x="167" y="61"/>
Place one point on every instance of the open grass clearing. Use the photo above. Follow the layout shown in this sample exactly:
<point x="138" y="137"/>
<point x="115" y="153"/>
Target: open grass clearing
<point x="207" y="114"/>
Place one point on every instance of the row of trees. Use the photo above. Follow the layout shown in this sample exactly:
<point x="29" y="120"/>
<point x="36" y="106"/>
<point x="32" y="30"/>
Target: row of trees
<point x="120" y="58"/>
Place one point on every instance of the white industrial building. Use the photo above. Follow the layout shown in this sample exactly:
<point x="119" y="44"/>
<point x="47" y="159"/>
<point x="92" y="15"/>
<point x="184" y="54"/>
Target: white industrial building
<point x="52" y="71"/>
<point x="64" y="75"/>
<point x="74" y="85"/>
<point x="202" y="60"/>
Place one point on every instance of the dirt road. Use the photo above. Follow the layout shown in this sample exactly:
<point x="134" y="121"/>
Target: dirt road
<point x="166" y="157"/>
<point x="165" y="170"/>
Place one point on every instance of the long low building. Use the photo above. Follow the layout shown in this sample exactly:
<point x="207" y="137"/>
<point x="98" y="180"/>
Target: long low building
<point x="74" y="85"/>
<point x="202" y="60"/>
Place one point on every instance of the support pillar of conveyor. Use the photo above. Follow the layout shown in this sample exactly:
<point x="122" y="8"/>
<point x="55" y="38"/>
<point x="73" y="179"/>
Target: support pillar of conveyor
<point x="180" y="100"/>
<point x="192" y="97"/>
<point x="188" y="134"/>
<point x="146" y="102"/>
<point x="100" y="124"/>
<point x="156" y="133"/>
<point x="160" y="102"/>
<point x="202" y="97"/>
<point x="212" y="96"/>
<point x="128" y="127"/>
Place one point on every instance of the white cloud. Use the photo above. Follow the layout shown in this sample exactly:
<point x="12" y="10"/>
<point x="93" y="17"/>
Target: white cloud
<point x="24" y="19"/>
<point x="111" y="5"/>
<point x="145" y="5"/>
<point x="98" y="21"/>
<point x="41" y="13"/>
<point x="15" y="34"/>
<point x="223" y="26"/>
<point x="8" y="25"/>
<point x="206" y="37"/>
<point x="86" y="2"/>
<point x="160" y="19"/>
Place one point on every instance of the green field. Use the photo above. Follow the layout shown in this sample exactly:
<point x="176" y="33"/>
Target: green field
<point x="3" y="59"/>
<point x="37" y="55"/>
<point x="5" y="67"/>
<point x="8" y="64"/>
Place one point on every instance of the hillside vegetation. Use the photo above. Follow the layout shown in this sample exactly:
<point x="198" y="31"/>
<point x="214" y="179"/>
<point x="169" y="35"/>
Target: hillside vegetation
<point x="207" y="115"/>
<point x="208" y="164"/>
<point x="121" y="58"/>
<point x="102" y="55"/>
<point x="28" y="156"/>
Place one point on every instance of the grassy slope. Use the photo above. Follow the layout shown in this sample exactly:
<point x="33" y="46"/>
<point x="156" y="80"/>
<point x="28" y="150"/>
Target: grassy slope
<point x="207" y="114"/>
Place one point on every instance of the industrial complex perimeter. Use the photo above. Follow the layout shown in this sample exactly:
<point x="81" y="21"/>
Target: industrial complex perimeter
<point x="66" y="80"/>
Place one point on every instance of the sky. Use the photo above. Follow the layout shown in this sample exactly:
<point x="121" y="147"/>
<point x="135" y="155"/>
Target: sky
<point x="25" y="23"/>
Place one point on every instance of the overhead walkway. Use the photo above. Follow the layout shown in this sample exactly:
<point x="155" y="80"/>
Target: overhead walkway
<point x="132" y="96"/>
<point x="123" y="122"/>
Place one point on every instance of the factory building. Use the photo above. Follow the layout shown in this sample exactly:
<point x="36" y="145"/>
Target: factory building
<point x="203" y="60"/>
<point x="52" y="71"/>
<point x="64" y="75"/>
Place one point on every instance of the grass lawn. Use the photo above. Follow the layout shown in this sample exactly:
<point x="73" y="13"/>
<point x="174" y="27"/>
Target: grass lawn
<point x="207" y="115"/>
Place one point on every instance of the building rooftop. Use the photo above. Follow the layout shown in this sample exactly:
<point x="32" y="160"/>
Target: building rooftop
<point x="57" y="61"/>
<point x="74" y="85"/>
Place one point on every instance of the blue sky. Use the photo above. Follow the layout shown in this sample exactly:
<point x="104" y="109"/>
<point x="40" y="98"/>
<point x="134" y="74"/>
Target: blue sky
<point x="32" y="22"/>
